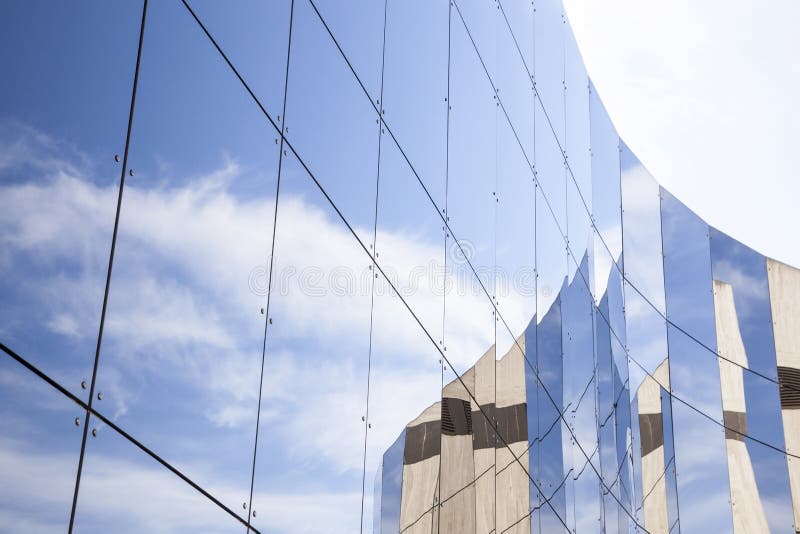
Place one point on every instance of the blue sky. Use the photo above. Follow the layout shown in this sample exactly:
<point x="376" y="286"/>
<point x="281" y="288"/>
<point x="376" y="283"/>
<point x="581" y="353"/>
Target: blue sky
<point x="182" y="347"/>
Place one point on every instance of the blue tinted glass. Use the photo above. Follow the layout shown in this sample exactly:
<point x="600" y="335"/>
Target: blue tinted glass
<point x="336" y="130"/>
<point x="548" y="35"/>
<point x="669" y="461"/>
<point x="606" y="203"/>
<point x="125" y="490"/>
<point x="549" y="469"/>
<point x="254" y="36"/>
<point x="39" y="447"/>
<point x="694" y="373"/>
<point x="415" y="88"/>
<point x="471" y="200"/>
<point x="745" y="342"/>
<point x="516" y="242"/>
<point x="405" y="382"/>
<point x="583" y="485"/>
<point x="358" y="29"/>
<point x="59" y="178"/>
<point x="181" y="357"/>
<point x="317" y="357"/>
<point x="391" y="484"/>
<point x="641" y="223"/>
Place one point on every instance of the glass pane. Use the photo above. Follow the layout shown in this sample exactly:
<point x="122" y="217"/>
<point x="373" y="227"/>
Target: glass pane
<point x="512" y="478"/>
<point x="406" y="372"/>
<point x="405" y="386"/>
<point x="316" y="369"/>
<point x="468" y="448"/>
<point x="605" y="414"/>
<point x="641" y="223"/>
<point x="655" y="453"/>
<point x="63" y="117"/>
<point x="125" y="490"/>
<point x="694" y="373"/>
<point x="254" y="36"/>
<point x="579" y="178"/>
<point x="335" y="130"/>
<point x="39" y="448"/>
<point x="517" y="19"/>
<point x="583" y="487"/>
<point x="745" y="342"/>
<point x="548" y="34"/>
<point x="479" y="20"/>
<point x="549" y="471"/>
<point x="358" y="28"/>
<point x="181" y="356"/>
<point x="513" y="77"/>
<point x="472" y="192"/>
<point x="471" y="204"/>
<point x="516" y="243"/>
<point x="388" y="488"/>
<point x="551" y="253"/>
<point x="606" y="203"/>
<point x="415" y="88"/>
<point x="784" y="289"/>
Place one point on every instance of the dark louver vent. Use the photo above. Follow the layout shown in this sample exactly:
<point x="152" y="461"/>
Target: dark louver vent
<point x="789" y="379"/>
<point x="456" y="417"/>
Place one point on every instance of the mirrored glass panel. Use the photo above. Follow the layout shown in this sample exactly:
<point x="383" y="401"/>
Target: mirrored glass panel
<point x="606" y="201"/>
<point x="180" y="364"/>
<point x="516" y="242"/>
<point x="580" y="439"/>
<point x="415" y="89"/>
<point x="62" y="142"/>
<point x="693" y="372"/>
<point x="471" y="202"/>
<point x="335" y="130"/>
<point x="314" y="403"/>
<point x="478" y="20"/>
<point x="515" y="90"/>
<point x="748" y="375"/>
<point x="548" y="46"/>
<point x="404" y="400"/>
<point x="513" y="474"/>
<point x="125" y="490"/>
<point x="39" y="447"/>
<point x="577" y="158"/>
<point x="548" y="470"/>
<point x="357" y="28"/>
<point x="641" y="223"/>
<point x="254" y="36"/>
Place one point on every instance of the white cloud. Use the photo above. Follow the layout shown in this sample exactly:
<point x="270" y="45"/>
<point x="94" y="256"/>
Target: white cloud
<point x="127" y="492"/>
<point x="183" y="316"/>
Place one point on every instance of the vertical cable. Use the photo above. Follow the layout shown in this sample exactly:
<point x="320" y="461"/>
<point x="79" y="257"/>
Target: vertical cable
<point x="438" y="496"/>
<point x="110" y="265"/>
<point x="373" y="273"/>
<point x="271" y="263"/>
<point x="495" y="319"/>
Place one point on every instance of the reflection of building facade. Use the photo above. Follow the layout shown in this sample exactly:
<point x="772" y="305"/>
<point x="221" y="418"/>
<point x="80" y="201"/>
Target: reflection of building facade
<point x="643" y="372"/>
<point x="494" y="452"/>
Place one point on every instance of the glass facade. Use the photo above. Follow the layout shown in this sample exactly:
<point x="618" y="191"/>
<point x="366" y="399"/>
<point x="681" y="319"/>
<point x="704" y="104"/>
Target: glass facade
<point x="312" y="266"/>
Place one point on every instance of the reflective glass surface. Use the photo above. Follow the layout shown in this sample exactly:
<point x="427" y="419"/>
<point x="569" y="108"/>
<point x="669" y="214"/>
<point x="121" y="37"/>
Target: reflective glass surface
<point x="693" y="371"/>
<point x="59" y="176"/>
<point x="378" y="266"/>
<point x="178" y="372"/>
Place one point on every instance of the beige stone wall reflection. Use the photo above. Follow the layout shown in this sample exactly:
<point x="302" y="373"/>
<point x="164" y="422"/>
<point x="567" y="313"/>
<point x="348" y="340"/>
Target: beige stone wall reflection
<point x="784" y="294"/>
<point x="746" y="506"/>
